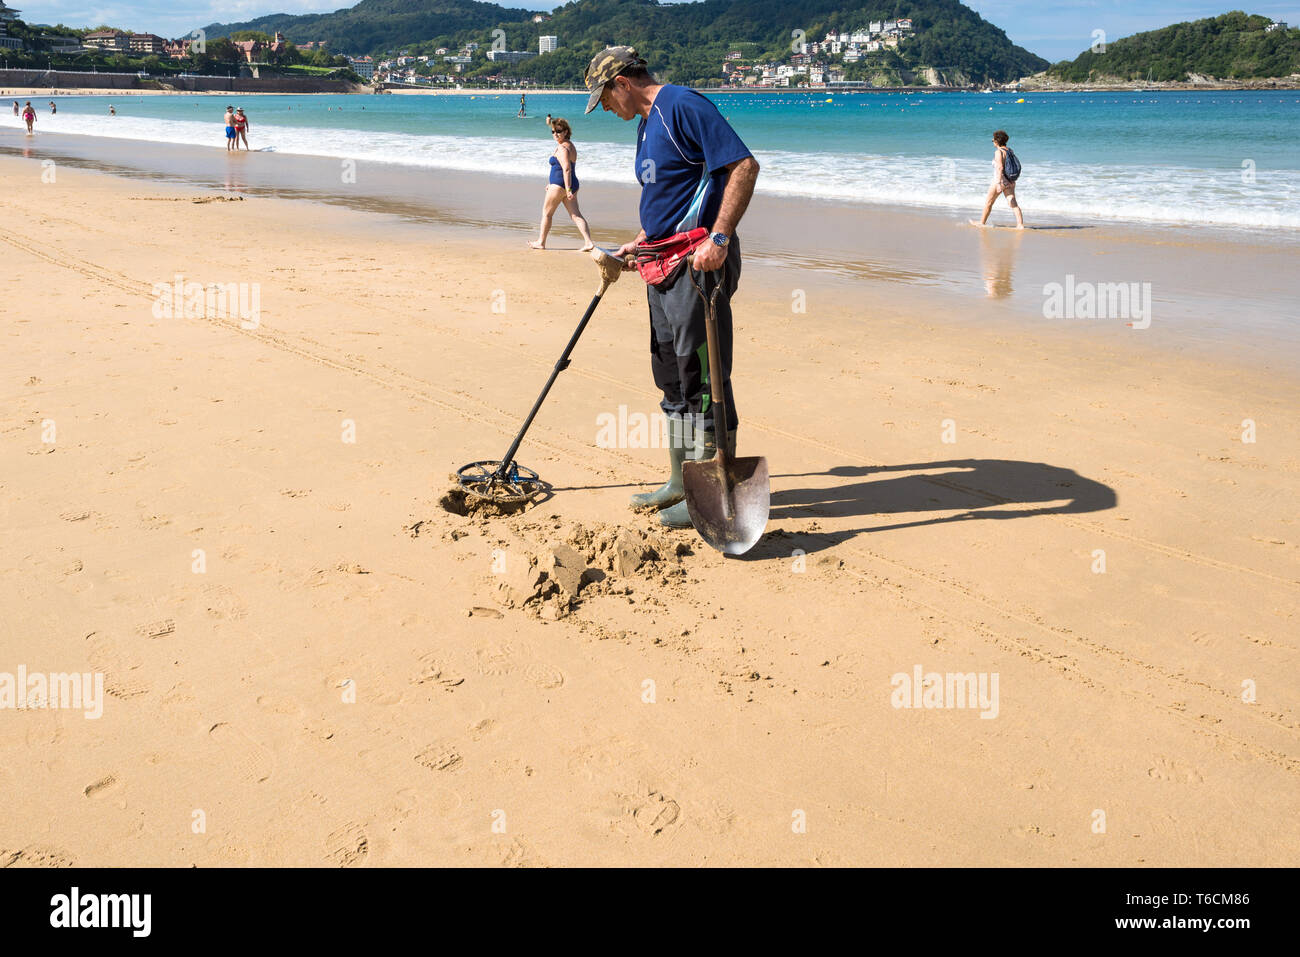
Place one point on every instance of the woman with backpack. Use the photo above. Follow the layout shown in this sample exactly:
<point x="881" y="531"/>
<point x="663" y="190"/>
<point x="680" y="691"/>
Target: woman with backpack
<point x="1006" y="170"/>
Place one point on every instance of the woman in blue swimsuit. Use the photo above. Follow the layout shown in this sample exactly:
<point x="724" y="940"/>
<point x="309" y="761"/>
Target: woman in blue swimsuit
<point x="562" y="187"/>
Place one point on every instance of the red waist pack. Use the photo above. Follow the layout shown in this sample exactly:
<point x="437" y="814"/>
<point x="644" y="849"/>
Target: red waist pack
<point x="659" y="261"/>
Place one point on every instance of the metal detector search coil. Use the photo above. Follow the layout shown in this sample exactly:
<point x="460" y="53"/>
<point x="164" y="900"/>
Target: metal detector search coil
<point x="513" y="485"/>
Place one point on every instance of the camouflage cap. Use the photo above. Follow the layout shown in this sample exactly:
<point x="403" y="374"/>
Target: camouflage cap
<point x="606" y="65"/>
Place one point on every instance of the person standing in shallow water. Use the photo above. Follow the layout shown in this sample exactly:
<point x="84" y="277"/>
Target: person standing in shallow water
<point x="1001" y="184"/>
<point x="562" y="187"/>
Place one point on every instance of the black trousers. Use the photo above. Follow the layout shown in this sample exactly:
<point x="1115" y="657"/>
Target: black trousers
<point x="679" y="351"/>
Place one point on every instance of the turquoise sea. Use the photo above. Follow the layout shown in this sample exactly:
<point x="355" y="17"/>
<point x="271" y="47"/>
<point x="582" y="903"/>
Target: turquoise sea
<point x="1223" y="158"/>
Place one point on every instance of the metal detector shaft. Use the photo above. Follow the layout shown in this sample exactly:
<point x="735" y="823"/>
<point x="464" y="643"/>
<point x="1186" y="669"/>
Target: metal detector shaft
<point x="563" y="363"/>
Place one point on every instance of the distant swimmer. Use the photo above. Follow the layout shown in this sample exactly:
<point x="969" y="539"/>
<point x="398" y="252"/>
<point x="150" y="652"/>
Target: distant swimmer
<point x="231" y="142"/>
<point x="1006" y="170"/>
<point x="241" y="126"/>
<point x="53" y="108"/>
<point x="15" y="107"/>
<point x="562" y="186"/>
<point x="29" y="116"/>
<point x="112" y="110"/>
<point x="523" y="105"/>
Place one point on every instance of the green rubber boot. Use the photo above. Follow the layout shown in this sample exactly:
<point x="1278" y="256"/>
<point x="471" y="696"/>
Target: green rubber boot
<point x="679" y="515"/>
<point x="671" y="492"/>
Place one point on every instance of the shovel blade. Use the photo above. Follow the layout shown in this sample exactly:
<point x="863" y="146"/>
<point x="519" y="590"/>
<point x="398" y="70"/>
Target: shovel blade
<point x="728" y="500"/>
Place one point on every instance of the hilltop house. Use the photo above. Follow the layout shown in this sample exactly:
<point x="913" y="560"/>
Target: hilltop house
<point x="110" y="41"/>
<point x="146" y="43"/>
<point x="255" y="49"/>
<point x="7" y="13"/>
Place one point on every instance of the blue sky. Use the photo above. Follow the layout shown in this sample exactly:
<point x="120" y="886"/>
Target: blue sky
<point x="1055" y="29"/>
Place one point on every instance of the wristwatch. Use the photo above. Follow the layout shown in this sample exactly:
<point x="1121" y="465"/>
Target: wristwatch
<point x="720" y="239"/>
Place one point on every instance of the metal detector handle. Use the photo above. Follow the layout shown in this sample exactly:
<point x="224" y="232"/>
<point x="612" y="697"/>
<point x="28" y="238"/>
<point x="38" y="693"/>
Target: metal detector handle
<point x="560" y="365"/>
<point x="610" y="267"/>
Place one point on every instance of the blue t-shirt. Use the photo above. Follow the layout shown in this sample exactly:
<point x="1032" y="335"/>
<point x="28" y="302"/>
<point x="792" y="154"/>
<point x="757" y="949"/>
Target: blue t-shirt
<point x="681" y="149"/>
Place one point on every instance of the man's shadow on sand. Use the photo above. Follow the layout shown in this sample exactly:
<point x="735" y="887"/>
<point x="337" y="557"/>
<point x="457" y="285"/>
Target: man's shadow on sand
<point x="997" y="489"/>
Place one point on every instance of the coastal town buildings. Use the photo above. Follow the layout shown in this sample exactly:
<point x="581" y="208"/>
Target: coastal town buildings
<point x="547" y="44"/>
<point x="146" y="43"/>
<point x="110" y="41"/>
<point x="812" y="64"/>
<point x="509" y="56"/>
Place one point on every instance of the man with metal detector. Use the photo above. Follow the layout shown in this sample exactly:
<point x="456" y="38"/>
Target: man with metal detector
<point x="696" y="178"/>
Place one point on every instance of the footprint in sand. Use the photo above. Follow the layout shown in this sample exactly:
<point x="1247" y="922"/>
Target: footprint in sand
<point x="482" y="729"/>
<point x="658" y="814"/>
<point x="121" y="678"/>
<point x="1166" y="769"/>
<point x="250" y="761"/>
<point x="544" y="675"/>
<point x="434" y="670"/>
<point x="719" y="818"/>
<point x="441" y="757"/>
<point x="157" y="629"/>
<point x="220" y="601"/>
<point x="35" y="856"/>
<point x="347" y="846"/>
<point x="495" y="661"/>
<point x="520" y="854"/>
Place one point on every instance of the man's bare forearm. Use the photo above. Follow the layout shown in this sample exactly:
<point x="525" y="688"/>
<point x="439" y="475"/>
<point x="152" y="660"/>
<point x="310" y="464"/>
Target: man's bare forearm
<point x="736" y="195"/>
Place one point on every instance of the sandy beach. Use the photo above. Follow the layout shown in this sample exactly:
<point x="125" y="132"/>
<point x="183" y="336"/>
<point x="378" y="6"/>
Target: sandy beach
<point x="237" y="520"/>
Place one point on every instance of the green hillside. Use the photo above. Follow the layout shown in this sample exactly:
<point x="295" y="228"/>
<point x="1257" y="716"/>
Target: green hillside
<point x="1235" y="46"/>
<point x="373" y="26"/>
<point x="685" y="42"/>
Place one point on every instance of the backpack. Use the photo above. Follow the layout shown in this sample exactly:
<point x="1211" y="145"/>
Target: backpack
<point x="1010" y="165"/>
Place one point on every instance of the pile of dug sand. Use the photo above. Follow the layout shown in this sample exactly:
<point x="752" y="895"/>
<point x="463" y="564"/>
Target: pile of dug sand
<point x="548" y="568"/>
<point x="551" y="580"/>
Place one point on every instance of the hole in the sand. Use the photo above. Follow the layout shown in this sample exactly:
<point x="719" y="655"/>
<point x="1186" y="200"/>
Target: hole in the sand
<point x="458" y="502"/>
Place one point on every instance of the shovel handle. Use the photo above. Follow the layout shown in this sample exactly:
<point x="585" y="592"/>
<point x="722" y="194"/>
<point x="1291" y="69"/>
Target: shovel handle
<point x="717" y="394"/>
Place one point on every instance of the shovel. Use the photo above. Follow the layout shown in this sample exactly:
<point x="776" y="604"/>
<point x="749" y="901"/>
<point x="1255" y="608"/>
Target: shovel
<point x="728" y="498"/>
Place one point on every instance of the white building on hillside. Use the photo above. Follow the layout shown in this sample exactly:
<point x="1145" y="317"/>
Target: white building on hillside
<point x="547" y="44"/>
